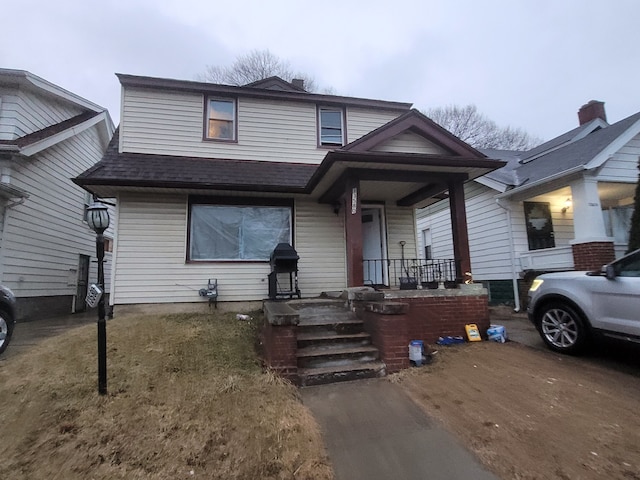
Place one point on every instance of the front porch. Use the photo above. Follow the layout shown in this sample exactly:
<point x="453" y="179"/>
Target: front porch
<point x="360" y="332"/>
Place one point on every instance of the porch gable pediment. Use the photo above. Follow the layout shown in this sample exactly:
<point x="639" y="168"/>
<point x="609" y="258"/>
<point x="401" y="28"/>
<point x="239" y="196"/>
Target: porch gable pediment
<point x="413" y="132"/>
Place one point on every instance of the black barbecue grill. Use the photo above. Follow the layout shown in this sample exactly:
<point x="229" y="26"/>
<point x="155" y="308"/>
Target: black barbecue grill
<point x="283" y="279"/>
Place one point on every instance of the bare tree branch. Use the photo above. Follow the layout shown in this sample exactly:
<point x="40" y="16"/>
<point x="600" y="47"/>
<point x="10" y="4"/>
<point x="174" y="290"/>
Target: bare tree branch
<point x="471" y="126"/>
<point x="253" y="66"/>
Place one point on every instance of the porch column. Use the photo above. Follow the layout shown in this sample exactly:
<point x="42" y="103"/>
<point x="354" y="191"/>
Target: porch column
<point x="588" y="221"/>
<point x="353" y="227"/>
<point x="459" y="229"/>
<point x="591" y="246"/>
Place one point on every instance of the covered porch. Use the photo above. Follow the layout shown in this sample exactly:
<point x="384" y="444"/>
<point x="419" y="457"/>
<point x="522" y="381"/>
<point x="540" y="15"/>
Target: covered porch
<point x="406" y="164"/>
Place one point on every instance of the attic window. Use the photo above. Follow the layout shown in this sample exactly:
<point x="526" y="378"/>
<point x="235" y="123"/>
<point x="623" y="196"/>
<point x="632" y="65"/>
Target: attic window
<point x="221" y="119"/>
<point x="330" y="126"/>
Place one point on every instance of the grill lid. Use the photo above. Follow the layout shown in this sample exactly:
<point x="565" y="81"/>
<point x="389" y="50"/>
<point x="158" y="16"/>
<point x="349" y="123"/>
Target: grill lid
<point x="284" y="251"/>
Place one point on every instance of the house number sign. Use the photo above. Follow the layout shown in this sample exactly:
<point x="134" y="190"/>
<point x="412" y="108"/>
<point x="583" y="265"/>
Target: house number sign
<point x="354" y="201"/>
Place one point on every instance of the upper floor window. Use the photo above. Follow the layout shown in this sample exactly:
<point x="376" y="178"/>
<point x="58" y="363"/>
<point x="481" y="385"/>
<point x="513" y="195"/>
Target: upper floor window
<point x="221" y="119"/>
<point x="330" y="126"/>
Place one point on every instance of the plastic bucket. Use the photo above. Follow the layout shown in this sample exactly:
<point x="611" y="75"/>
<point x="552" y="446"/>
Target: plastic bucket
<point x="415" y="351"/>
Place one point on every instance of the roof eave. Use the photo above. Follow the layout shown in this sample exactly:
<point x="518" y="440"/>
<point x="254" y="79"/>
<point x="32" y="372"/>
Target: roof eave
<point x="249" y="92"/>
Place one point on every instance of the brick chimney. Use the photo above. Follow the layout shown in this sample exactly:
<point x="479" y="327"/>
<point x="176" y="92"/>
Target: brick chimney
<point x="298" y="83"/>
<point x="590" y="111"/>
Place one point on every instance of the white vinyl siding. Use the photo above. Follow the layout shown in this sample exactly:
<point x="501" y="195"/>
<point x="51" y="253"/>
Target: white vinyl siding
<point x="25" y="112"/>
<point x="623" y="165"/>
<point x="171" y="123"/>
<point x="487" y="227"/>
<point x="401" y="226"/>
<point x="437" y="218"/>
<point x="361" y="121"/>
<point x="410" y="143"/>
<point x="320" y="243"/>
<point x="151" y="252"/>
<point x="489" y="242"/>
<point x="44" y="236"/>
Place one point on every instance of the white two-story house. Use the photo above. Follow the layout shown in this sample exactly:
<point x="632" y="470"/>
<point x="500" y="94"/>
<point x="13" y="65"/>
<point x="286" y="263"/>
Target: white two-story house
<point x="48" y="136"/>
<point x="210" y="178"/>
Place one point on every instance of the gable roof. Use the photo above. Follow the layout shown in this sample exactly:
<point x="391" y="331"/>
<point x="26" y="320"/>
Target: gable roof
<point x="418" y="123"/>
<point x="30" y="81"/>
<point x="585" y="153"/>
<point x="28" y="144"/>
<point x="576" y="154"/>
<point x="275" y="83"/>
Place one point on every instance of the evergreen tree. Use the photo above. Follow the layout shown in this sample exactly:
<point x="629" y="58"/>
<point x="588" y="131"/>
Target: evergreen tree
<point x="634" y="231"/>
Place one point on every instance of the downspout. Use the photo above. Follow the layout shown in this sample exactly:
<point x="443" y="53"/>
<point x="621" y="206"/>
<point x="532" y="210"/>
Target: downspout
<point x="512" y="257"/>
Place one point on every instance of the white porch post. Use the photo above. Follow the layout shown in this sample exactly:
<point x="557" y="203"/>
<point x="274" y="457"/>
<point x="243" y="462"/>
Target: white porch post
<point x="588" y="222"/>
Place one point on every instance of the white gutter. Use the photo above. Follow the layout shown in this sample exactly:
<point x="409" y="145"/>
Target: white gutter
<point x="557" y="176"/>
<point x="512" y="257"/>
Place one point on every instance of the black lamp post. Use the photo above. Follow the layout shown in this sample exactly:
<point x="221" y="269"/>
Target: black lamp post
<point x="98" y="220"/>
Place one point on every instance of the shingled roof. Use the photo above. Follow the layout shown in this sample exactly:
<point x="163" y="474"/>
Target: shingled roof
<point x="47" y="132"/>
<point x="168" y="171"/>
<point x="525" y="168"/>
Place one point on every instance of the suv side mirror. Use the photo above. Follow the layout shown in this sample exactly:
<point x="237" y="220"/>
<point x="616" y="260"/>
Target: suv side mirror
<point x="609" y="272"/>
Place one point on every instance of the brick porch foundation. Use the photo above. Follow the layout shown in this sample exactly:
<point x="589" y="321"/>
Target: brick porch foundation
<point x="279" y="349"/>
<point x="422" y="315"/>
<point x="592" y="255"/>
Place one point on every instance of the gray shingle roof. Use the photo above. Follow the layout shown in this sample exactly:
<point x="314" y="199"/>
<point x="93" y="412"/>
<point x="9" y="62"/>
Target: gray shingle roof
<point x="574" y="154"/>
<point x="534" y="165"/>
<point x="134" y="169"/>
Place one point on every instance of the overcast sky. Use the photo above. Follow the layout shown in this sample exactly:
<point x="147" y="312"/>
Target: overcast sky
<point x="529" y="64"/>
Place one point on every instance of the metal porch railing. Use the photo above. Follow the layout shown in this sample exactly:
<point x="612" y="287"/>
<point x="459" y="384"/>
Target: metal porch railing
<point x="408" y="273"/>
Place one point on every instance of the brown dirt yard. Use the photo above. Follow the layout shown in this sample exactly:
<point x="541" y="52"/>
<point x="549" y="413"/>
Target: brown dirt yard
<point x="534" y="414"/>
<point x="188" y="399"/>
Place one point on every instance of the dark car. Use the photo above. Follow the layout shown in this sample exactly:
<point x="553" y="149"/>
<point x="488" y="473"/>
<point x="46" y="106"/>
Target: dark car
<point x="571" y="308"/>
<point x="7" y="316"/>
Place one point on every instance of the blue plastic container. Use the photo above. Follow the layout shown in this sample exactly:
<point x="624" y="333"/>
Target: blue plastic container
<point x="416" y="347"/>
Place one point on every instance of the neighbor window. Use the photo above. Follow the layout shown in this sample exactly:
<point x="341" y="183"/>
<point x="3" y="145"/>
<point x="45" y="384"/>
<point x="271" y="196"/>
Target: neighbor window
<point x="237" y="231"/>
<point x="539" y="226"/>
<point x="331" y="126"/>
<point x="221" y="119"/>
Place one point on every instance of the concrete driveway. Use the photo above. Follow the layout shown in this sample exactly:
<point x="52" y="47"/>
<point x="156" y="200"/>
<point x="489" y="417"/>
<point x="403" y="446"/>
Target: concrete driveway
<point x="27" y="334"/>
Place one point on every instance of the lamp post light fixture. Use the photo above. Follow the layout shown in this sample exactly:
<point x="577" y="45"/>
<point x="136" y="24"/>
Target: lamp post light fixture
<point x="98" y="220"/>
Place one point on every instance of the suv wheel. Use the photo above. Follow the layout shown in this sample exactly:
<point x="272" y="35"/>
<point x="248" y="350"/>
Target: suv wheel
<point x="6" y="330"/>
<point x="562" y="328"/>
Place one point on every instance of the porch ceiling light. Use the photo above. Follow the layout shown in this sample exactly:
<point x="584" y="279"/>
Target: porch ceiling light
<point x="567" y="205"/>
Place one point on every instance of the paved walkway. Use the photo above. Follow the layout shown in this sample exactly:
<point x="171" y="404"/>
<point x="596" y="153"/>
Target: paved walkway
<point x="374" y="431"/>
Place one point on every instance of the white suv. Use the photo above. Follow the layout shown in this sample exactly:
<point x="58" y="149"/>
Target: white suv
<point x="570" y="308"/>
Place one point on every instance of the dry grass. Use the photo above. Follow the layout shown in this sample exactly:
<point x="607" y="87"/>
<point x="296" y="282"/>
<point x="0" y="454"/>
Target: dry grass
<point x="187" y="399"/>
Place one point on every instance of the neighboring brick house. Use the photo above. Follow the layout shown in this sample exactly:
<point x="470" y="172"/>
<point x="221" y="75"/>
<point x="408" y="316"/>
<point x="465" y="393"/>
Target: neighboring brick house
<point x="210" y="178"/>
<point x="564" y="205"/>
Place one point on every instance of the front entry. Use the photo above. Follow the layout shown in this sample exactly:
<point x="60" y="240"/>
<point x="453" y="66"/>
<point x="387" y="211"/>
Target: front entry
<point x="83" y="283"/>
<point x="374" y="246"/>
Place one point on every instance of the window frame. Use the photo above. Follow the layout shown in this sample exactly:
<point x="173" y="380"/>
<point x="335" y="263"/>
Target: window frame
<point x="544" y="236"/>
<point x="237" y="202"/>
<point x="207" y="118"/>
<point x="343" y="125"/>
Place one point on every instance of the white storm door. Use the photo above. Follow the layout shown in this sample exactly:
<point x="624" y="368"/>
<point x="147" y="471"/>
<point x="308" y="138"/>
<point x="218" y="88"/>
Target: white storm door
<point x="373" y="246"/>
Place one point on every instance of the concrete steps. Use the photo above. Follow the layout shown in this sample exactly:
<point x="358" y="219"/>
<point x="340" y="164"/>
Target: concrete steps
<point x="333" y="346"/>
